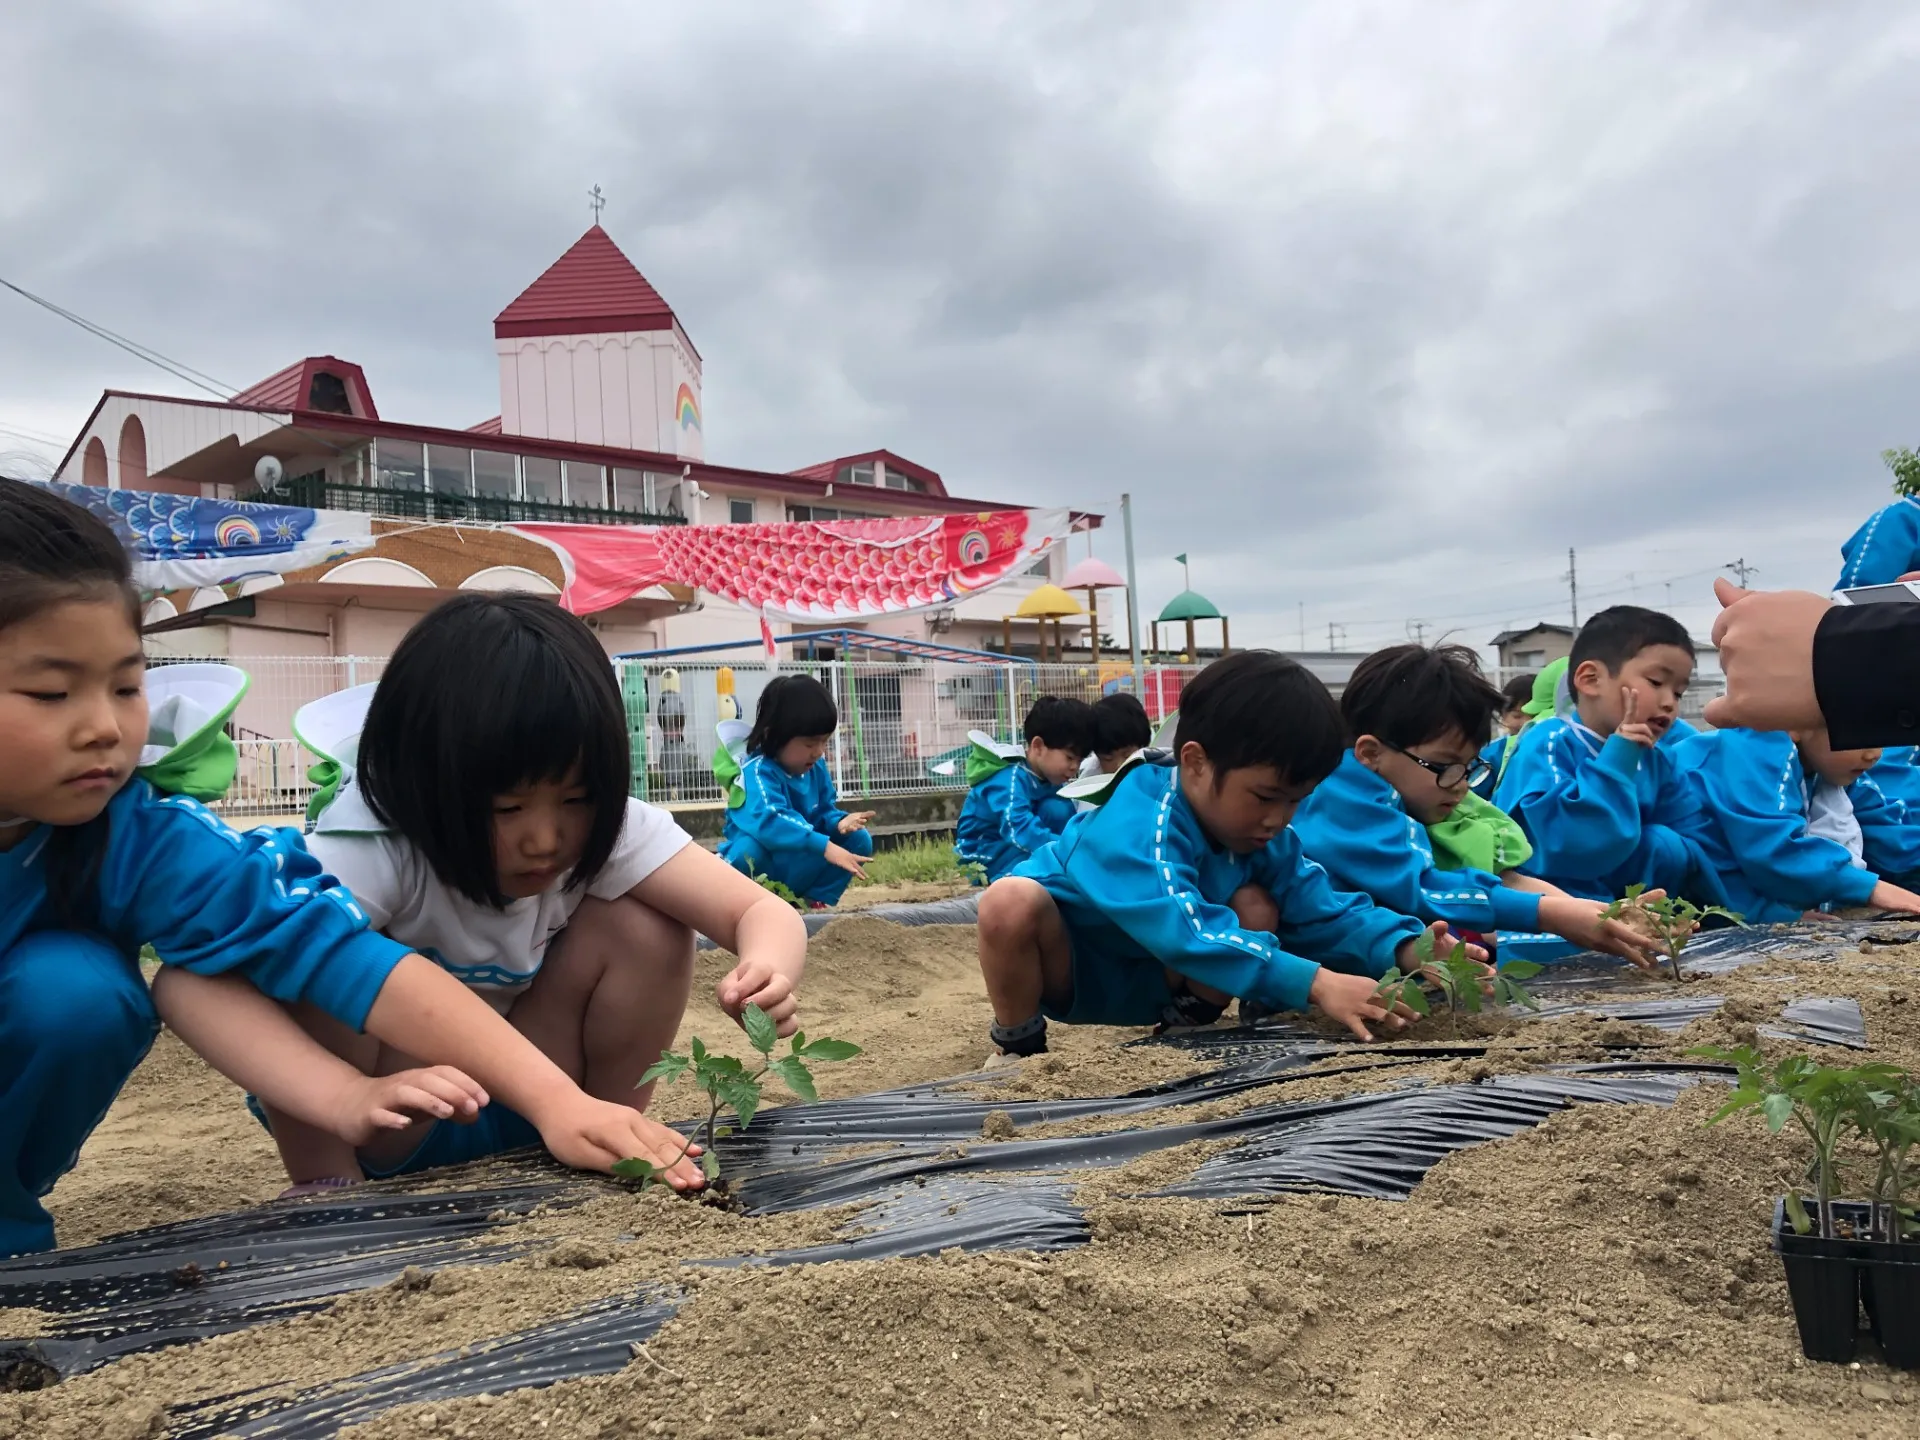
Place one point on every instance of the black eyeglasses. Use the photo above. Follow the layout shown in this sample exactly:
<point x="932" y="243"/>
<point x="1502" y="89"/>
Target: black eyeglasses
<point x="1450" y="774"/>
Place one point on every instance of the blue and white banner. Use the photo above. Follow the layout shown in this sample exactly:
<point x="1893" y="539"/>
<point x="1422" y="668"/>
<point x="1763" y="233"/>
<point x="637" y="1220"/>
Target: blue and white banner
<point x="180" y="542"/>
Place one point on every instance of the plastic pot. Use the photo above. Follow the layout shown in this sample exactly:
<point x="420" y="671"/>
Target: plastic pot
<point x="1823" y="1283"/>
<point x="1829" y="1280"/>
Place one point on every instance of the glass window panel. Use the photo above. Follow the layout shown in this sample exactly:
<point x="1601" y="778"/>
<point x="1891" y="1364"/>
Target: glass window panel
<point x="740" y="512"/>
<point x="633" y="492"/>
<point x="447" y="470"/>
<point x="399" y="465"/>
<point x="543" y="479"/>
<point x="493" y="474"/>
<point x="586" y="484"/>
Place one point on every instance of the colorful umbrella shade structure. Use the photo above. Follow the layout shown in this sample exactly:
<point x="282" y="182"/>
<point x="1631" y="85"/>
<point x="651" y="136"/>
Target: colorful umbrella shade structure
<point x="1093" y="575"/>
<point x="1189" y="606"/>
<point x="1048" y="602"/>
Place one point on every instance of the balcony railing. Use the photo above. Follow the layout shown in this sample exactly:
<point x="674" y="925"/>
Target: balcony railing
<point x="316" y="492"/>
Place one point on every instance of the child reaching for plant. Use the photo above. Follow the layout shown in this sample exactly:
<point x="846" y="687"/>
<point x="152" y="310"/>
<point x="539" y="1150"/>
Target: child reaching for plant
<point x="486" y="825"/>
<point x="789" y="825"/>
<point x="96" y="861"/>
<point x="1416" y="716"/>
<point x="1186" y="888"/>
<point x="1777" y="822"/>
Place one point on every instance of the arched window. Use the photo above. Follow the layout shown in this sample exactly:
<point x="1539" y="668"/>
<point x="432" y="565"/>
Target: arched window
<point x="133" y="454"/>
<point x="93" y="464"/>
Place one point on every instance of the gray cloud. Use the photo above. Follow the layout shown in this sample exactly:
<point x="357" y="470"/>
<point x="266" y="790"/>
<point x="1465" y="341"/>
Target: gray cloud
<point x="1378" y="307"/>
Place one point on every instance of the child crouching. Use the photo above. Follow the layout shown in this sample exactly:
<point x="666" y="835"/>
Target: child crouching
<point x="1186" y="889"/>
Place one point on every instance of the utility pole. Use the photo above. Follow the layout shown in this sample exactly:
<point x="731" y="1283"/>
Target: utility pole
<point x="1303" y="625"/>
<point x="1573" y="587"/>
<point x="1332" y="644"/>
<point x="1742" y="569"/>
<point x="1417" y="631"/>
<point x="1133" y="601"/>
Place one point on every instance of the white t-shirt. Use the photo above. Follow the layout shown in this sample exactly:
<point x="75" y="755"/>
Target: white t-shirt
<point x="494" y="952"/>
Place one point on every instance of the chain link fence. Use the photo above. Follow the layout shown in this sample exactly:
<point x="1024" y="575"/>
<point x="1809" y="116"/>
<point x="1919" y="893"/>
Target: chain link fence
<point x="903" y="727"/>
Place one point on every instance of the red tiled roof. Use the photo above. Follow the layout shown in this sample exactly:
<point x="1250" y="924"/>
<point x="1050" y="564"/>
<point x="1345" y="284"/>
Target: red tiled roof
<point x="828" y="469"/>
<point x="289" y="389"/>
<point x="591" y="289"/>
<point x="485" y="427"/>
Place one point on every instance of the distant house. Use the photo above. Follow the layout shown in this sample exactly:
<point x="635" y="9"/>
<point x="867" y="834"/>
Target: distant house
<point x="1533" y="647"/>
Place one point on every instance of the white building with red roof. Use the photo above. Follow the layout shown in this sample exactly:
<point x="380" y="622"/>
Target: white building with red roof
<point x="600" y="422"/>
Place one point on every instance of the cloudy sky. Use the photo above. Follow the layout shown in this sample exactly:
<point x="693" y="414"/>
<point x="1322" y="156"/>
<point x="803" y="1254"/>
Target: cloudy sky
<point x="1374" y="307"/>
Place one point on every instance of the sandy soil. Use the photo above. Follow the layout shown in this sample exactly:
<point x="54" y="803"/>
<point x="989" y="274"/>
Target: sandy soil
<point x="1606" y="1274"/>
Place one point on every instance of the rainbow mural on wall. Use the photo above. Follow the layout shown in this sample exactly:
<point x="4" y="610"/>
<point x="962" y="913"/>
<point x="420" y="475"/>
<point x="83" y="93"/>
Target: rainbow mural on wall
<point x="687" y="408"/>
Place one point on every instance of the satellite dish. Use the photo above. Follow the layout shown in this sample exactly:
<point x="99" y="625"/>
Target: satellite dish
<point x="267" y="473"/>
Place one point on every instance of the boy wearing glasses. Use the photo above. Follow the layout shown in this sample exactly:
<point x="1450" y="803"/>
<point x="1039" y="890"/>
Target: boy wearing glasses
<point x="1418" y="717"/>
<point x="1600" y="797"/>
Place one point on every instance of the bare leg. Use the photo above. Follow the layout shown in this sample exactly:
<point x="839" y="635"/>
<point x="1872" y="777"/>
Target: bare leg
<point x="1025" y="956"/>
<point x="610" y="996"/>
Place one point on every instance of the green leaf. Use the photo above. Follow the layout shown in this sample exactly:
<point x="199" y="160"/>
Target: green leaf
<point x="723" y="1065"/>
<point x="792" y="1072"/>
<point x="1778" y="1109"/>
<point x="1415" y="999"/>
<point x="634" y="1169"/>
<point x="760" y="1029"/>
<point x="721" y="1132"/>
<point x="710" y="1166"/>
<point x="830" y="1050"/>
<point x="669" y="1067"/>
<point x="699" y="1050"/>
<point x="1521" y="969"/>
<point x="1423" y="948"/>
<point x="1797" y="1215"/>
<point x="799" y="1041"/>
<point x="744" y="1097"/>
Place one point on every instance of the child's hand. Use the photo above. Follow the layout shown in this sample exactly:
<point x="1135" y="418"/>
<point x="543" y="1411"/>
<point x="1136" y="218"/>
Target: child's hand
<point x="1631" y="726"/>
<point x="1892" y="897"/>
<point x="1585" y="922"/>
<point x="393" y="1102"/>
<point x="590" y="1134"/>
<point x="1353" y="1000"/>
<point x="844" y="858"/>
<point x="855" y="821"/>
<point x="759" y="982"/>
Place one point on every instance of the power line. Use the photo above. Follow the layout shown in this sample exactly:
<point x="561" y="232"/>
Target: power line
<point x="1741" y="568"/>
<point x="178" y="369"/>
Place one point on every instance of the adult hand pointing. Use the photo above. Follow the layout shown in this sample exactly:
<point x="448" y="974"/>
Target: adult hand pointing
<point x="1766" y="652"/>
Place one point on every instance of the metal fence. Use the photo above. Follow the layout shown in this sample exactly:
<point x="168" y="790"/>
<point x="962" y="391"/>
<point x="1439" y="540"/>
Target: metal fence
<point x="903" y="727"/>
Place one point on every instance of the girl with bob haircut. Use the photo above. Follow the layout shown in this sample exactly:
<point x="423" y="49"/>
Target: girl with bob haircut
<point x="487" y="824"/>
<point x="789" y="826"/>
<point x="98" y="858"/>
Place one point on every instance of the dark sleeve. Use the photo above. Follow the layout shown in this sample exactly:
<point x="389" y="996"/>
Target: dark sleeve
<point x="1866" y="673"/>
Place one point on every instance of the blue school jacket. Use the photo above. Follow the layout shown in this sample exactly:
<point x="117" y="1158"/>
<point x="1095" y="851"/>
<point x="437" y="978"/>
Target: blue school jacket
<point x="783" y="811"/>
<point x="1883" y="549"/>
<point x="1752" y="824"/>
<point x="1603" y="814"/>
<point x="1008" y="816"/>
<point x="1141" y="869"/>
<point x="212" y="900"/>
<point x="1355" y="826"/>
<point x="1886" y="802"/>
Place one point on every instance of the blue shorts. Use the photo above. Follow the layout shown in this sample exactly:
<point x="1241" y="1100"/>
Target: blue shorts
<point x="494" y="1131"/>
<point x="1115" y="981"/>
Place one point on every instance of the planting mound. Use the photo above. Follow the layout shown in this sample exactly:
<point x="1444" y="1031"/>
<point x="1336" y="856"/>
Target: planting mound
<point x="1113" y="1240"/>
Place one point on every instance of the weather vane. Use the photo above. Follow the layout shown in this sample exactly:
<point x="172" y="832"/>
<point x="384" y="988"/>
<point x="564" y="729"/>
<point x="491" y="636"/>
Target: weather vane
<point x="597" y="201"/>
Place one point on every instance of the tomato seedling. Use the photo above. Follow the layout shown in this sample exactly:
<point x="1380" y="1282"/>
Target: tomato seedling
<point x="778" y="889"/>
<point x="1671" y="922"/>
<point x="1459" y="978"/>
<point x="1874" y="1102"/>
<point x="730" y="1086"/>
